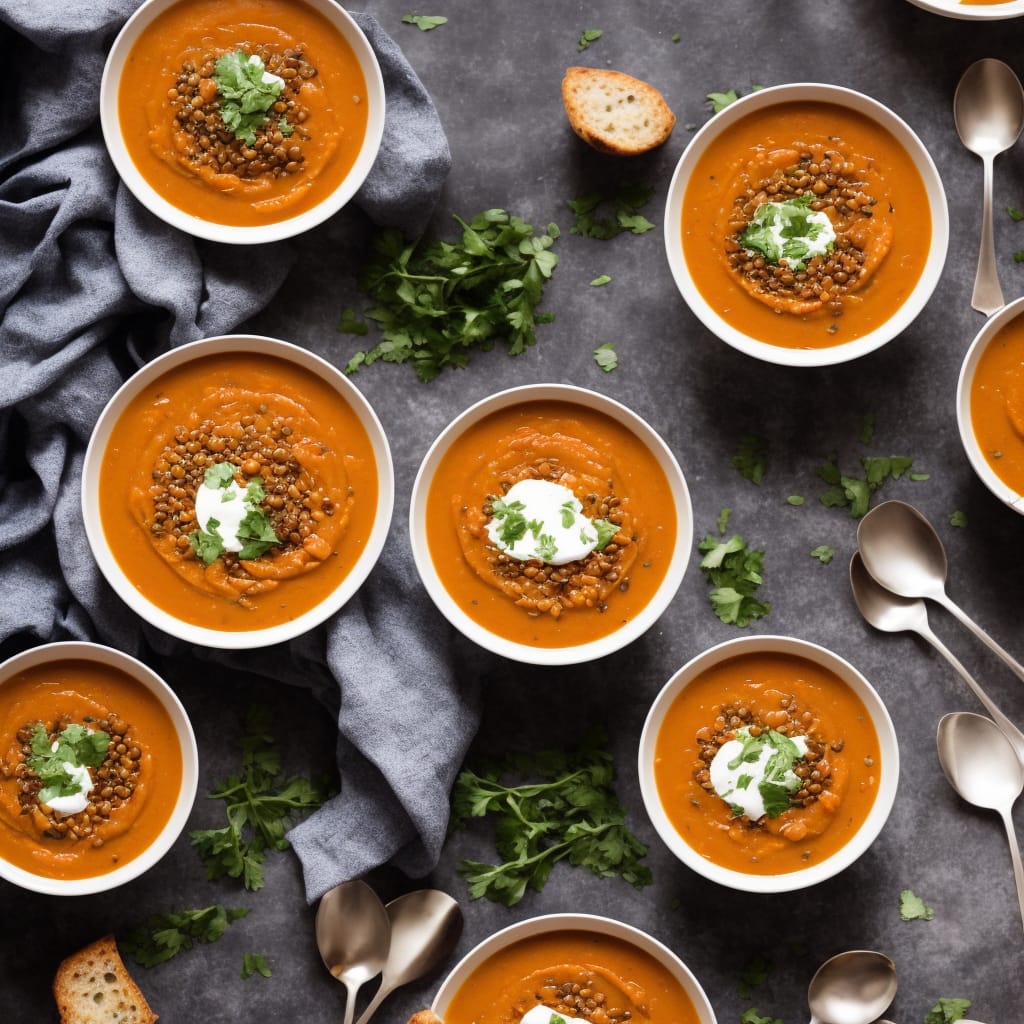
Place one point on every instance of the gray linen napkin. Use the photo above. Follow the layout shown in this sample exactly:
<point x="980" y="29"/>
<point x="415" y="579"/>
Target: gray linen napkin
<point x="90" y="286"/>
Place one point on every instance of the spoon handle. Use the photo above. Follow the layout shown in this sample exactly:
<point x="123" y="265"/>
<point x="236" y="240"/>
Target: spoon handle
<point x="1018" y="868"/>
<point x="988" y="295"/>
<point x="1014" y="666"/>
<point x="1006" y="727"/>
<point x="379" y="996"/>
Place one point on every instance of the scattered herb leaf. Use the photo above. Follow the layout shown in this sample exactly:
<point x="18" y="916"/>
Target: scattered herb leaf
<point x="220" y="474"/>
<point x="605" y="532"/>
<point x="166" y="935"/>
<point x="751" y="458"/>
<point x="424" y="22"/>
<point x="434" y="303"/>
<point x="1014" y="213"/>
<point x="254" y="963"/>
<point x="720" y="100"/>
<point x="751" y="1016"/>
<point x="598" y="281"/>
<point x="723" y="520"/>
<point x="207" y="544"/>
<point x="795" y="499"/>
<point x="259" y="805"/>
<point x="605" y="357"/>
<point x="1018" y="256"/>
<point x="823" y="553"/>
<point x="676" y="37"/>
<point x="735" y="572"/>
<point x="912" y="908"/>
<point x="854" y="493"/>
<point x="572" y="815"/>
<point x="867" y="430"/>
<point x="588" y="36"/>
<point x="350" y="323"/>
<point x="625" y="215"/>
<point x="754" y="974"/>
<point x="958" y="518"/>
<point x="947" y="1011"/>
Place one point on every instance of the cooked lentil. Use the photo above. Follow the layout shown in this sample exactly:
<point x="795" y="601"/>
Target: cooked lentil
<point x="540" y="588"/>
<point x="115" y="780"/>
<point x="262" y="447"/>
<point x="587" y="1001"/>
<point x="834" y="184"/>
<point x="814" y="770"/>
<point x="277" y="148"/>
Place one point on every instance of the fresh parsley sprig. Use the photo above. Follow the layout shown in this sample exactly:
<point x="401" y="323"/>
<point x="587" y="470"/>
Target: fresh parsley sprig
<point x="436" y="302"/>
<point x="260" y="807"/>
<point x="573" y="815"/>
<point x="245" y="98"/>
<point x="166" y="935"/>
<point x="735" y="572"/>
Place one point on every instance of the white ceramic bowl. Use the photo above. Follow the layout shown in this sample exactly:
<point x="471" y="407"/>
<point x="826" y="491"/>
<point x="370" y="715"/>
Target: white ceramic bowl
<point x="1003" y="491"/>
<point x="134" y="28"/>
<point x="827" y="867"/>
<point x="491" y="641"/>
<point x="500" y="941"/>
<point x="806" y="93"/>
<point x="148" y="679"/>
<point x="130" y="593"/>
<point x="973" y="12"/>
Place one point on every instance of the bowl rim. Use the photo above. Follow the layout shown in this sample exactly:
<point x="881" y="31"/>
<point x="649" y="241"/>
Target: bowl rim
<point x="205" y="636"/>
<point x="512" y="649"/>
<point x="972" y="12"/>
<point x="845" y="855"/>
<point x="83" y="650"/>
<point x="813" y="92"/>
<point x="214" y="231"/>
<point x="545" y="923"/>
<point x="988" y="476"/>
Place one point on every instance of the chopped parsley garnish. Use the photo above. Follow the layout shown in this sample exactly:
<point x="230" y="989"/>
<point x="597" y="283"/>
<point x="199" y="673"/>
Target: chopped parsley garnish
<point x="599" y="281"/>
<point x="435" y="302"/>
<point x="546" y="547"/>
<point x="424" y="22"/>
<point x="723" y="520"/>
<point x="751" y="458"/>
<point x="571" y="814"/>
<point x="784" y="231"/>
<point x="958" y="519"/>
<point x="166" y="935"/>
<point x="1014" y="213"/>
<point x="823" y="553"/>
<point x="605" y="532"/>
<point x="245" y="98"/>
<point x="854" y="493"/>
<point x="254" y="963"/>
<point x="1018" y="256"/>
<point x="625" y="216"/>
<point x="735" y="572"/>
<point x="751" y="1016"/>
<point x="76" y="746"/>
<point x="913" y="908"/>
<point x="513" y="523"/>
<point x="795" y="500"/>
<point x="947" y="1011"/>
<point x="350" y="323"/>
<point x="588" y="36"/>
<point x="606" y="357"/>
<point x="720" y="100"/>
<point x="257" y="534"/>
<point x="568" y="514"/>
<point x="208" y="544"/>
<point x="221" y="474"/>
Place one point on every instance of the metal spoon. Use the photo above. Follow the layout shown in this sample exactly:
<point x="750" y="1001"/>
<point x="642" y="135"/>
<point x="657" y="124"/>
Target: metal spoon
<point x="988" y="109"/>
<point x="983" y="768"/>
<point x="903" y="552"/>
<point x="852" y="988"/>
<point x="893" y="614"/>
<point x="353" y="935"/>
<point x="425" y="925"/>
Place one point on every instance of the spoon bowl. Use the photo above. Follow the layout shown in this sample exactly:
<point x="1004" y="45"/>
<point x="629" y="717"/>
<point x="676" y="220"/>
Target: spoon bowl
<point x="353" y="934"/>
<point x="984" y="769"/>
<point x="988" y="109"/>
<point x="856" y="987"/>
<point x="425" y="926"/>
<point x="902" y="551"/>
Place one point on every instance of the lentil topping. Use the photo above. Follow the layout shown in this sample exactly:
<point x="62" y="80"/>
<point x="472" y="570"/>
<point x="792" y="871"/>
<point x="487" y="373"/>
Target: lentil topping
<point x="835" y="185"/>
<point x="543" y="589"/>
<point x="210" y="148"/>
<point x="813" y="770"/>
<point x="114" y="782"/>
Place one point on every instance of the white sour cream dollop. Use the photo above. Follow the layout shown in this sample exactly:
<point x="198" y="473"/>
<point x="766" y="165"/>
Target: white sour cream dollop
<point x="543" y="1015"/>
<point x="229" y="506"/>
<point x="738" y="782"/>
<point x="73" y="803"/>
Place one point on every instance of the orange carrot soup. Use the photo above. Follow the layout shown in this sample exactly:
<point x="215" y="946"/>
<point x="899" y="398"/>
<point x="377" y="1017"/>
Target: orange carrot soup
<point x="550" y="524"/>
<point x="242" y="112"/>
<point x="237" y="491"/>
<point x="553" y="969"/>
<point x="102" y="722"/>
<point x="806" y="225"/>
<point x="767" y="763"/>
<point x="997" y="404"/>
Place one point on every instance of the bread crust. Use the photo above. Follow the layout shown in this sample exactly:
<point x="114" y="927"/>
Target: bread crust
<point x="615" y="112"/>
<point x="93" y="986"/>
<point x="425" y="1017"/>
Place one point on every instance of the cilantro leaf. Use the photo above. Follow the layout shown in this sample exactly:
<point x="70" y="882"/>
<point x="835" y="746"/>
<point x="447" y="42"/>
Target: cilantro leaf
<point x="350" y="323"/>
<point x="626" y="205"/>
<point x="605" y="532"/>
<point x="166" y="935"/>
<point x="735" y="572"/>
<point x="958" y="519"/>
<point x="571" y="814"/>
<point x="912" y="908"/>
<point x="723" y="520"/>
<point x="259" y="805"/>
<point x="947" y="1011"/>
<point x="75" y="745"/>
<point x="588" y="36"/>
<point x="854" y="493"/>
<point x="257" y="533"/>
<point x="720" y="100"/>
<point x="220" y="474"/>
<point x="599" y="281"/>
<point x="424" y="22"/>
<point x="254" y="963"/>
<point x="207" y="544"/>
<point x="823" y="553"/>
<point x="606" y="357"/>
<point x="245" y="98"/>
<point x="751" y="1016"/>
<point x="436" y="302"/>
<point x="751" y="458"/>
<point x="754" y="974"/>
<point x="1014" y="213"/>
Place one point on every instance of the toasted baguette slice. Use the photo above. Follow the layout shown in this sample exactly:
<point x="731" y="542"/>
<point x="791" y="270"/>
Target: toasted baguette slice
<point x="614" y="112"/>
<point x="93" y="986"/>
<point x="425" y="1017"/>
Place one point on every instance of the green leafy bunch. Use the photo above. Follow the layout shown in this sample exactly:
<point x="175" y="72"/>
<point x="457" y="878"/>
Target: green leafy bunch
<point x="76" y="745"/>
<point x="244" y="97"/>
<point x="792" y="217"/>
<point x="435" y="302"/>
<point x="625" y="215"/>
<point x="572" y="814"/>
<point x="166" y="935"/>
<point x="735" y="572"/>
<point x="854" y="493"/>
<point x="260" y="806"/>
